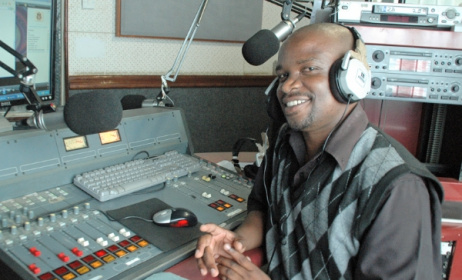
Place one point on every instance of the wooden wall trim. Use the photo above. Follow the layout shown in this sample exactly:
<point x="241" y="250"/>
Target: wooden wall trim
<point x="150" y="81"/>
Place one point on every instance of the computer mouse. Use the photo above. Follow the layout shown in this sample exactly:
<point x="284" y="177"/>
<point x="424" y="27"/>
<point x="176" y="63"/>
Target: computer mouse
<point x="175" y="217"/>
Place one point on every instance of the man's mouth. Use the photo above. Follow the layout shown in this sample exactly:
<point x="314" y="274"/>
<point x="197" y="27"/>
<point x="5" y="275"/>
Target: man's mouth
<point x="295" y="103"/>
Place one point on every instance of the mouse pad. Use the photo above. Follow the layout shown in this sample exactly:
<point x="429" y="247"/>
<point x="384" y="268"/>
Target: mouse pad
<point x="164" y="238"/>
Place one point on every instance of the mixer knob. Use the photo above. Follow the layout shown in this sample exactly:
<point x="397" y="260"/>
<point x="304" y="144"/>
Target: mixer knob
<point x="76" y="210"/>
<point x="87" y="205"/>
<point x="30" y="214"/>
<point x="64" y="214"/>
<point x="27" y="226"/>
<point x="40" y="221"/>
<point x="53" y="217"/>
<point x="12" y="214"/>
<point x="17" y="219"/>
<point x="4" y="223"/>
<point x="14" y="230"/>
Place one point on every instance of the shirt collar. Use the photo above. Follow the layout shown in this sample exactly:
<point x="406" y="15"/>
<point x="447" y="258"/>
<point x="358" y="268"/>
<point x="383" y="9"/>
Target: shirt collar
<point x="341" y="142"/>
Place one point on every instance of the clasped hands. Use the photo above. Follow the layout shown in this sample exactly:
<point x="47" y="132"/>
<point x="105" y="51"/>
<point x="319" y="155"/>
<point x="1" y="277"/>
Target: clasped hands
<point x="220" y="253"/>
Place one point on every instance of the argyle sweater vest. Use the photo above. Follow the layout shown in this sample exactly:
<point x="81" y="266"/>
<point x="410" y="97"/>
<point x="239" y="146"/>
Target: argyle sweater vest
<point x="316" y="234"/>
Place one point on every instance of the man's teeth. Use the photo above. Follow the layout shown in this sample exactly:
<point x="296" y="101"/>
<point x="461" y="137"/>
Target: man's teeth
<point x="295" y="103"/>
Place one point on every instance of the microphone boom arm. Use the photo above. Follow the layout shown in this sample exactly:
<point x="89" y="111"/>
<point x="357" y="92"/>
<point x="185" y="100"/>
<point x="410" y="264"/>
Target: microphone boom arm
<point x="26" y="76"/>
<point x="172" y="74"/>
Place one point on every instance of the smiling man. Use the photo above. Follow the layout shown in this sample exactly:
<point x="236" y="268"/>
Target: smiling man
<point x="335" y="198"/>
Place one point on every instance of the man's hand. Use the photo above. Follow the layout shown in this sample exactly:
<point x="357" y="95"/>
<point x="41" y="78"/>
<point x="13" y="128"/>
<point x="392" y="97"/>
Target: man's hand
<point x="238" y="266"/>
<point x="210" y="247"/>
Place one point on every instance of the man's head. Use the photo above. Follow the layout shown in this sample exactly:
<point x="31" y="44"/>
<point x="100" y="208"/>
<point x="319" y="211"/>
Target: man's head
<point x="304" y="64"/>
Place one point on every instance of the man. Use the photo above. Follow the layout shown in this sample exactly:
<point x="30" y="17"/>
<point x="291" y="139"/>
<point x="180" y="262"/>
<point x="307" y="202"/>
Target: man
<point x="336" y="198"/>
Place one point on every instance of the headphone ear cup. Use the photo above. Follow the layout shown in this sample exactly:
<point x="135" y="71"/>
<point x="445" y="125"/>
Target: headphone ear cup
<point x="334" y="79"/>
<point x="349" y="79"/>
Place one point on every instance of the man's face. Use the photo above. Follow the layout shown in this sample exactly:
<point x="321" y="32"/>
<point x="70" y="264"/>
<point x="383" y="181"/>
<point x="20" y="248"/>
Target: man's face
<point x="303" y="93"/>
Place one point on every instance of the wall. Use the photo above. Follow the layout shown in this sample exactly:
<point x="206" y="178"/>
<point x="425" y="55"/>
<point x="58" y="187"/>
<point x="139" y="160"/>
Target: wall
<point x="95" y="50"/>
<point x="216" y="116"/>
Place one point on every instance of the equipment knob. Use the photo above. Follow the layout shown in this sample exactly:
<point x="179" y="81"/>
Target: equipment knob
<point x="52" y="217"/>
<point x="376" y="83"/>
<point x="64" y="214"/>
<point x="76" y="210"/>
<point x="458" y="61"/>
<point x="378" y="56"/>
<point x="27" y="226"/>
<point x="451" y="13"/>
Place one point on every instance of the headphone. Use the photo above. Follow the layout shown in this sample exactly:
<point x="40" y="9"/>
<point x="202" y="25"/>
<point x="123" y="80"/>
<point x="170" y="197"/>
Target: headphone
<point x="350" y="76"/>
<point x="250" y="171"/>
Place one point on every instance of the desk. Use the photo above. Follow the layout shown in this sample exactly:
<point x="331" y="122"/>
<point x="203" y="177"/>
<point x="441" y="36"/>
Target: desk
<point x="188" y="268"/>
<point x="217" y="157"/>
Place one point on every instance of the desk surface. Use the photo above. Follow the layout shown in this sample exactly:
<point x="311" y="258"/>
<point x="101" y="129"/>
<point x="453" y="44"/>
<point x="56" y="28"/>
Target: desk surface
<point x="217" y="157"/>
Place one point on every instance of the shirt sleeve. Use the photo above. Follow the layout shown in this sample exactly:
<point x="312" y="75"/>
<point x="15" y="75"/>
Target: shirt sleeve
<point x="399" y="242"/>
<point x="257" y="198"/>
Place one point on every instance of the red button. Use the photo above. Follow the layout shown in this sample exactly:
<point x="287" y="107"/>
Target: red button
<point x="63" y="257"/>
<point x="33" y="267"/>
<point x="35" y="252"/>
<point x="101" y="253"/>
<point x="47" y="276"/>
<point x="76" y="252"/>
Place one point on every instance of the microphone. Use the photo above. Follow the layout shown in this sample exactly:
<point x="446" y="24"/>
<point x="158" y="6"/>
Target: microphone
<point x="132" y="101"/>
<point x="47" y="121"/>
<point x="93" y="112"/>
<point x="265" y="43"/>
<point x="84" y="113"/>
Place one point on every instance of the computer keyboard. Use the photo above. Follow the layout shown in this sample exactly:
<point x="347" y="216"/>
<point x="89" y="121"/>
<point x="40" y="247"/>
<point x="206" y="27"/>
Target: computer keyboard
<point x="122" y="179"/>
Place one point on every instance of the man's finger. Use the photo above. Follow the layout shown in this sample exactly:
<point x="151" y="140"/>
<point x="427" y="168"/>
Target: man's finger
<point x="238" y="257"/>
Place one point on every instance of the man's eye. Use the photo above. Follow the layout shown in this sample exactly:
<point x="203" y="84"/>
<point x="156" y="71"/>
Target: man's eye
<point x="309" y="69"/>
<point x="282" y="77"/>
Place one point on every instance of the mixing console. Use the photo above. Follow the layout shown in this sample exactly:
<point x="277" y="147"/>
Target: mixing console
<point x="51" y="229"/>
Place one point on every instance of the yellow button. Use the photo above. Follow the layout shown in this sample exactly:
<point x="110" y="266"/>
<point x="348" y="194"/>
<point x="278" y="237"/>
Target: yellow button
<point x="120" y="253"/>
<point x="132" y="248"/>
<point x="83" y="270"/>
<point x="96" y="264"/>
<point x="143" y="243"/>
<point x="220" y="208"/>
<point x="69" y="276"/>
<point x="109" y="258"/>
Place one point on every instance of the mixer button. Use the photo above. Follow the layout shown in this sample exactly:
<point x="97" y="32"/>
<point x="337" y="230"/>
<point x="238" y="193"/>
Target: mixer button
<point x="34" y="269"/>
<point x="35" y="252"/>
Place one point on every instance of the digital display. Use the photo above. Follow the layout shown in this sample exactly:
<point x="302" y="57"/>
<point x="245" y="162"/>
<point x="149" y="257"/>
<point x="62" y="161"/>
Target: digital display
<point x="407" y="91"/>
<point x="109" y="137"/>
<point x="75" y="143"/>
<point x="400" y="19"/>
<point x="400" y="10"/>
<point x="410" y="65"/>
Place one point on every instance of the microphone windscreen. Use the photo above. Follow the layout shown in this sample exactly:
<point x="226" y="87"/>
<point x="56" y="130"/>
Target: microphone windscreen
<point x="260" y="47"/>
<point x="92" y="112"/>
<point x="132" y="101"/>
